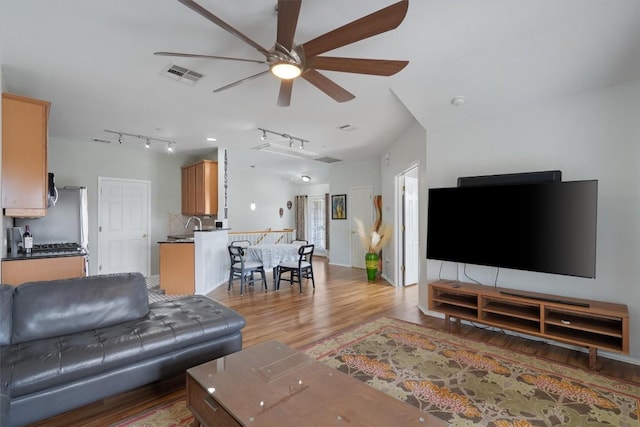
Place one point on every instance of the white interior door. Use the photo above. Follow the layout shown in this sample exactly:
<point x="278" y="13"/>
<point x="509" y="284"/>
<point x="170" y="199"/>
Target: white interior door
<point x="123" y="226"/>
<point x="360" y="205"/>
<point x="411" y="235"/>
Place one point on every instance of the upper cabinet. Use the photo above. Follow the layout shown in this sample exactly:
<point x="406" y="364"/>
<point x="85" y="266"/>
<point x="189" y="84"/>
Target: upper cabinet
<point x="24" y="156"/>
<point x="200" y="188"/>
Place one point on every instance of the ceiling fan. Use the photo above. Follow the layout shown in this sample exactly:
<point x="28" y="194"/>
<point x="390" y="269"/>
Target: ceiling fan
<point x="288" y="61"/>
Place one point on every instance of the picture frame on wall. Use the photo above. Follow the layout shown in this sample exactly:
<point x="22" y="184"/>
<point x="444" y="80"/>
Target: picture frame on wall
<point x="339" y="206"/>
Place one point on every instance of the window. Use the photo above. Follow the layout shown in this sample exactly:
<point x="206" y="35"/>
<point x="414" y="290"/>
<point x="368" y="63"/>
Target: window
<point x="316" y="225"/>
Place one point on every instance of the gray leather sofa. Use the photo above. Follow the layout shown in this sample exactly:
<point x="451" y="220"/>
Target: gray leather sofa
<point x="67" y="343"/>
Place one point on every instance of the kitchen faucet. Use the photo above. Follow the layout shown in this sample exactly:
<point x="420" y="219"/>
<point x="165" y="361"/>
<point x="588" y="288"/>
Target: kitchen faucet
<point x="196" y="227"/>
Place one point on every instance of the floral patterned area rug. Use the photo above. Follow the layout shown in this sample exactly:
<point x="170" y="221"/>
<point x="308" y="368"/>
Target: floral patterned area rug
<point x="470" y="383"/>
<point x="172" y="414"/>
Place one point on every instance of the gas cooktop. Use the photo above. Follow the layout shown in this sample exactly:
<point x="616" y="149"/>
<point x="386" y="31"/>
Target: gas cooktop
<point x="65" y="247"/>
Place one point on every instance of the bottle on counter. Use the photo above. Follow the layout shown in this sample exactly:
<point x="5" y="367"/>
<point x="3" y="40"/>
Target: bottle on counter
<point x="27" y="240"/>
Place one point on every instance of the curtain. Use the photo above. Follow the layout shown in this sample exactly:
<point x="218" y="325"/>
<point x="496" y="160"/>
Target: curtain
<point x="327" y="216"/>
<point x="301" y="217"/>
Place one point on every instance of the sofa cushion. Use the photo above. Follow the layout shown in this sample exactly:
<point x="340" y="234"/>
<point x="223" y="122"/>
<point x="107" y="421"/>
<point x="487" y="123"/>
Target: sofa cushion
<point x="61" y="307"/>
<point x="170" y="326"/>
<point x="6" y="303"/>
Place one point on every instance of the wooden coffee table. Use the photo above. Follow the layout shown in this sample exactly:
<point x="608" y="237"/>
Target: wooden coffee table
<point x="271" y="384"/>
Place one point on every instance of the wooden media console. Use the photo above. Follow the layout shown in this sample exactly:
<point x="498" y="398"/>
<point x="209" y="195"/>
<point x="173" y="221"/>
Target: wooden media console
<point x="586" y="323"/>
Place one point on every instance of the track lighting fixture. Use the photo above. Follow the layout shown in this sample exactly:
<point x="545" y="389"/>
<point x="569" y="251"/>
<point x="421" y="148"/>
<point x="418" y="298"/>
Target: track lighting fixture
<point x="291" y="139"/>
<point x="147" y="139"/>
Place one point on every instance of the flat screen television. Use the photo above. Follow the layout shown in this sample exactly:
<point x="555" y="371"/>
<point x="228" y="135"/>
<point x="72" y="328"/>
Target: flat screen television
<point x="546" y="227"/>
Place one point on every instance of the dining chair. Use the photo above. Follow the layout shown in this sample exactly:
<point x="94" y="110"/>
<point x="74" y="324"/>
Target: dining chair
<point x="242" y="243"/>
<point x="303" y="268"/>
<point x="244" y="270"/>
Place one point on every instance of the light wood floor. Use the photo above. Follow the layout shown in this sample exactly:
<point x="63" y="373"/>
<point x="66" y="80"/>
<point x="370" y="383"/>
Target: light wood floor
<point x="342" y="298"/>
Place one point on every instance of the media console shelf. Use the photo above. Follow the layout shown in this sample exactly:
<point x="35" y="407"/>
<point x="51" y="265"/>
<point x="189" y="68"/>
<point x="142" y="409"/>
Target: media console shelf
<point x="592" y="324"/>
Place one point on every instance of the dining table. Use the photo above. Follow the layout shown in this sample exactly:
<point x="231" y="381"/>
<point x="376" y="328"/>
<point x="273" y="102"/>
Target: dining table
<point x="272" y="254"/>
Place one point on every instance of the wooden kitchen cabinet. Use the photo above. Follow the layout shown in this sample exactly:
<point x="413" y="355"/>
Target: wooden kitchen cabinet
<point x="24" y="156"/>
<point x="177" y="268"/>
<point x="200" y="188"/>
<point x="17" y="272"/>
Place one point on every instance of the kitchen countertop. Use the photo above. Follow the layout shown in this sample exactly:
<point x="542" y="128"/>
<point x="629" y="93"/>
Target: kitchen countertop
<point x="187" y="237"/>
<point x="22" y="257"/>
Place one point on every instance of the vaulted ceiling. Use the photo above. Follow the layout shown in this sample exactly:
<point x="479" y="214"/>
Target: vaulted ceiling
<point x="94" y="61"/>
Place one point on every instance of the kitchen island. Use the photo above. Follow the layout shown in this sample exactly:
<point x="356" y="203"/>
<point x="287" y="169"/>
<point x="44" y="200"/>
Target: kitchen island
<point x="194" y="264"/>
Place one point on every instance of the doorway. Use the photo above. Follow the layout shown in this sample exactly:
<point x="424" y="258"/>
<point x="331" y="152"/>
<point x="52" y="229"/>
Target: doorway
<point x="123" y="226"/>
<point x="408" y="258"/>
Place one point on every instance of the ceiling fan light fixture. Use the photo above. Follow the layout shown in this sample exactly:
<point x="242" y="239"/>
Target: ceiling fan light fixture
<point x="285" y="70"/>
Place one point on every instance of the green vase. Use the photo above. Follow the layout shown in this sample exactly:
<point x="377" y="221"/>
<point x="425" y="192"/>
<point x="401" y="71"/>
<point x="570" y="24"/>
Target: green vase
<point x="371" y="262"/>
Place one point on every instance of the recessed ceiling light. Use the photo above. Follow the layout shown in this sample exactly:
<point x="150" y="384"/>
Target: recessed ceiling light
<point x="211" y="139"/>
<point x="457" y="101"/>
<point x="306" y="178"/>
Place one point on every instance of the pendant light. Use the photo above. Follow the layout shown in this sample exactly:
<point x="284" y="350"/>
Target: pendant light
<point x="252" y="206"/>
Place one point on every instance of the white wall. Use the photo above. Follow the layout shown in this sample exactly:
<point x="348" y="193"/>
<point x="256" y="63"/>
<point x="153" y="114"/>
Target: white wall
<point x="593" y="135"/>
<point x="344" y="176"/>
<point x="270" y="193"/>
<point x="408" y="150"/>
<point x="82" y="162"/>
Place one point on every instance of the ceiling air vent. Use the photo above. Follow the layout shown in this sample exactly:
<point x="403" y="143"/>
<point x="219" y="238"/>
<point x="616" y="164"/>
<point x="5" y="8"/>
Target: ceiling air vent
<point x="327" y="159"/>
<point x="183" y="75"/>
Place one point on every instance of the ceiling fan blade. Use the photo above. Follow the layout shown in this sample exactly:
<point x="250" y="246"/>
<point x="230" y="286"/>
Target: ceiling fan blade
<point x="236" y="83"/>
<point x="338" y="93"/>
<point x="288" y="11"/>
<point x="378" y="67"/>
<point x="378" y="22"/>
<point x="220" y="23"/>
<point x="284" y="98"/>
<point x="193" y="55"/>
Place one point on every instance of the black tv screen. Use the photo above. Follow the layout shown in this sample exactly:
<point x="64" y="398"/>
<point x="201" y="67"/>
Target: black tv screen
<point x="545" y="227"/>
